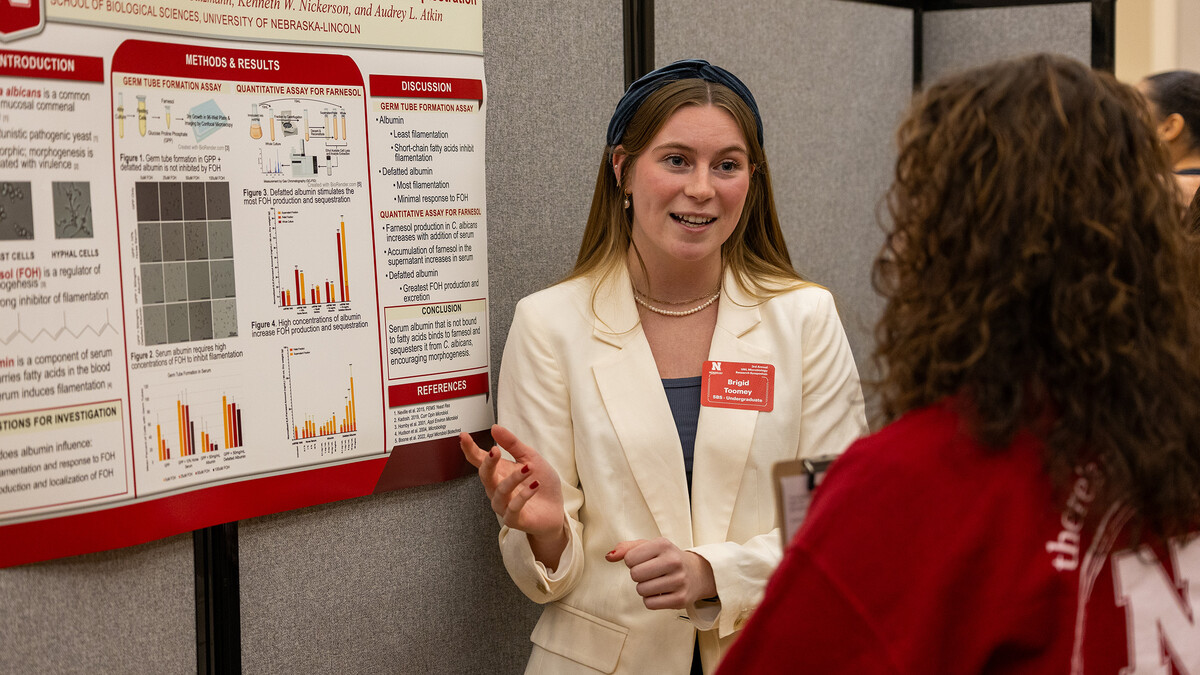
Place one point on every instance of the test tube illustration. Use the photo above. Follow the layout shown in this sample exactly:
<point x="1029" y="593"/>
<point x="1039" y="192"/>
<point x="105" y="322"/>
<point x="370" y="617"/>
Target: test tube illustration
<point x="325" y="114"/>
<point x="343" y="125"/>
<point x="121" y="115"/>
<point x="141" y="112"/>
<point x="168" y="111"/>
<point x="272" y="125"/>
<point x="255" y="125"/>
<point x="306" y="125"/>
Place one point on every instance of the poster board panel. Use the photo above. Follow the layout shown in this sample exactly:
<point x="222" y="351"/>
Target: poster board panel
<point x="237" y="277"/>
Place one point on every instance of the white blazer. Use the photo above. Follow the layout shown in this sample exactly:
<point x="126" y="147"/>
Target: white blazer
<point x="578" y="383"/>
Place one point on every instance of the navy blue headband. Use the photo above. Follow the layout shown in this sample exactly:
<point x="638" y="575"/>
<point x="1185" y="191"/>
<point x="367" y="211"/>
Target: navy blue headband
<point x="680" y="70"/>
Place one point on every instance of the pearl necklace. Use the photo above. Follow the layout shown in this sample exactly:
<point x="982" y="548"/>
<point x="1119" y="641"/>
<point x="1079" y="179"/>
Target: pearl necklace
<point x="689" y="301"/>
<point x="668" y="312"/>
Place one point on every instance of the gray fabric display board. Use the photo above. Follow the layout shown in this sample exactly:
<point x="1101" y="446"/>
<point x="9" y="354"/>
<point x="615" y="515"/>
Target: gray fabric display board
<point x="126" y="611"/>
<point x="411" y="581"/>
<point x="962" y="38"/>
<point x="831" y="79"/>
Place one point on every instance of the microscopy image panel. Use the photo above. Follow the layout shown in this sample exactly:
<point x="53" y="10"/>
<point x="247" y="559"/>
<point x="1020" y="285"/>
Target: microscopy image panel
<point x="197" y="281"/>
<point x="220" y="239"/>
<point x="147" y="201"/>
<point x="72" y="209"/>
<point x="153" y="288"/>
<point x="217" y="195"/>
<point x="193" y="201"/>
<point x="155" y="319"/>
<point x="173" y="246"/>
<point x="177" y="323"/>
<point x="175" y="285"/>
<point x="224" y="316"/>
<point x="185" y="247"/>
<point x="196" y="240"/>
<point x="170" y="201"/>
<point x="201" y="320"/>
<point x="150" y="242"/>
<point x="222" y="278"/>
<point x="16" y="210"/>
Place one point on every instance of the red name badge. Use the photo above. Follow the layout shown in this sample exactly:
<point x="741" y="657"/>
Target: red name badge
<point x="743" y="386"/>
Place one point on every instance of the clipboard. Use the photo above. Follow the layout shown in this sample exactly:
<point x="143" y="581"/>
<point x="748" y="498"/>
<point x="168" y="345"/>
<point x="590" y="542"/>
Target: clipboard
<point x="794" y="481"/>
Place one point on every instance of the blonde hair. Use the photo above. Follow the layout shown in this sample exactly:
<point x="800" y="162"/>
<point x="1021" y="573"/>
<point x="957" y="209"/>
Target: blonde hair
<point x="755" y="252"/>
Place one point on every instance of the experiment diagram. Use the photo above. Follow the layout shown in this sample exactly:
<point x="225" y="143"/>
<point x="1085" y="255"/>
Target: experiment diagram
<point x="300" y="137"/>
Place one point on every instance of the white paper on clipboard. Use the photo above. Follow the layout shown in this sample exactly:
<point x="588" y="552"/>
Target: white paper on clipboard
<point x="795" y="481"/>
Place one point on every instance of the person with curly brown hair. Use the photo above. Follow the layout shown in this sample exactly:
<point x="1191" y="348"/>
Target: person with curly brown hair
<point x="1032" y="505"/>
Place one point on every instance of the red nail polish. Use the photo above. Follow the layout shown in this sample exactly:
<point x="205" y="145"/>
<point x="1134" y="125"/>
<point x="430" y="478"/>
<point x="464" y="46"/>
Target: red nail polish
<point x="611" y="552"/>
<point x="492" y="454"/>
<point x="533" y="485"/>
<point x="525" y="469"/>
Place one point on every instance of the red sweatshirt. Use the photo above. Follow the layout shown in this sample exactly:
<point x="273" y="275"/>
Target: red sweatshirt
<point x="925" y="552"/>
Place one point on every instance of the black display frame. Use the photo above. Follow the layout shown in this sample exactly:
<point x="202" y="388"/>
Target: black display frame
<point x="639" y="30"/>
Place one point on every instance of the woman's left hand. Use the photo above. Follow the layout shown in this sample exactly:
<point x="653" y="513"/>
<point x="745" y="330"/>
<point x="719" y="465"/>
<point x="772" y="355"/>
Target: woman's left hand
<point x="667" y="577"/>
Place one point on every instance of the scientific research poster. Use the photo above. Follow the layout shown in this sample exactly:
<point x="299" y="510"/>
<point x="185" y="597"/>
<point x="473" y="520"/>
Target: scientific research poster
<point x="243" y="260"/>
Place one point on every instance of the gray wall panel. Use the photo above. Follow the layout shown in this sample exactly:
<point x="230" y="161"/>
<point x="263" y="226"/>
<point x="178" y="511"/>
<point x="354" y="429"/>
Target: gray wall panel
<point x="406" y="582"/>
<point x="831" y="80"/>
<point x="552" y="85"/>
<point x="963" y="38"/>
<point x="126" y="611"/>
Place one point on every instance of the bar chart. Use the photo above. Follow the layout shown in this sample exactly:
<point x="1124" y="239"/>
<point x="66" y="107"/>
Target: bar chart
<point x="321" y="278"/>
<point x="203" y="418"/>
<point x="314" y="409"/>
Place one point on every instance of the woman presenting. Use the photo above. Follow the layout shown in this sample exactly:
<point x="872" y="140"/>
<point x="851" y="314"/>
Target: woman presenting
<point x="645" y="398"/>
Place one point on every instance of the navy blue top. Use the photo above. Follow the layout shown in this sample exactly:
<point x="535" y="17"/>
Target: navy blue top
<point x="683" y="394"/>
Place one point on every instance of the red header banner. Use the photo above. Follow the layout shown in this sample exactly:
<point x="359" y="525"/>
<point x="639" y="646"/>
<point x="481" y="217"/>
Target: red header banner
<point x="396" y="86"/>
<point x="51" y="66"/>
<point x="437" y="390"/>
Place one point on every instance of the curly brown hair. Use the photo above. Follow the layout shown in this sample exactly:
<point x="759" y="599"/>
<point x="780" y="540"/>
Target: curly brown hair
<point x="1037" y="275"/>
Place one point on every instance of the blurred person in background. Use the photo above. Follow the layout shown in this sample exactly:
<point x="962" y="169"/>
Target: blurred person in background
<point x="1191" y="219"/>
<point x="1174" y="98"/>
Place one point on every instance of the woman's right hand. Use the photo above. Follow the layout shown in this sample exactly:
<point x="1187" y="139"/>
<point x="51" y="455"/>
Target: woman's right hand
<point x="525" y="493"/>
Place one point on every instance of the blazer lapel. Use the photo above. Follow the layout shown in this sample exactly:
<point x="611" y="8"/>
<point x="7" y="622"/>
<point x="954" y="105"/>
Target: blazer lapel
<point x="637" y="407"/>
<point x="724" y="435"/>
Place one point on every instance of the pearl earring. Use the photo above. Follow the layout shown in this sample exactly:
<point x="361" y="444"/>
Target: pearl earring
<point x="626" y="200"/>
